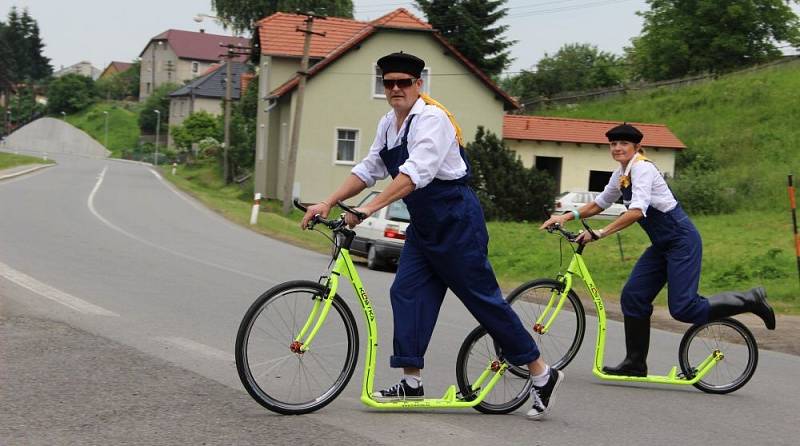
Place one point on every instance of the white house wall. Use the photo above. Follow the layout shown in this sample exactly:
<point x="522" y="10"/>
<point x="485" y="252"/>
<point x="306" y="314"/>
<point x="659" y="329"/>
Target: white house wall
<point x="578" y="160"/>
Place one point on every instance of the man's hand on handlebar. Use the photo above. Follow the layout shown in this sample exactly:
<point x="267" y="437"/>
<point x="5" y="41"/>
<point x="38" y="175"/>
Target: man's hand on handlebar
<point x="321" y="209"/>
<point x="353" y="220"/>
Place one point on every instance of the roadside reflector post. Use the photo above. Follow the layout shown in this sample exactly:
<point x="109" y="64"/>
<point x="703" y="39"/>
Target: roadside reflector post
<point x="256" y="207"/>
<point x="174" y="167"/>
<point x="45" y="156"/>
<point x="793" y="203"/>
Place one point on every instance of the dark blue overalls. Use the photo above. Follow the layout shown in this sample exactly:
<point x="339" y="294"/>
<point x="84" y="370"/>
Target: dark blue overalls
<point x="446" y="247"/>
<point x="674" y="257"/>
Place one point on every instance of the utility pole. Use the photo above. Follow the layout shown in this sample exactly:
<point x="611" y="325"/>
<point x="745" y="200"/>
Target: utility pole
<point x="298" y="111"/>
<point x="227" y="135"/>
<point x="158" y="131"/>
<point x="229" y="55"/>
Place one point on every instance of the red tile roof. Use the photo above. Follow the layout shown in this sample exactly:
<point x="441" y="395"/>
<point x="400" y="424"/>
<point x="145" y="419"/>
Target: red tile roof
<point x="121" y="66"/>
<point x="542" y="128"/>
<point x="278" y="36"/>
<point x="401" y="18"/>
<point x="197" y="45"/>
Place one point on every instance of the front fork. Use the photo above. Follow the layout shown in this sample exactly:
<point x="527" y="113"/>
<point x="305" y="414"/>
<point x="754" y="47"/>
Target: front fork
<point x="554" y="306"/>
<point x="319" y="312"/>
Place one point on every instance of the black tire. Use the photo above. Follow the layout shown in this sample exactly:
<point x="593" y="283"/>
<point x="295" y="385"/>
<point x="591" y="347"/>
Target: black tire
<point x="737" y="344"/>
<point x="510" y="392"/>
<point x="561" y="343"/>
<point x="375" y="261"/>
<point x="264" y="339"/>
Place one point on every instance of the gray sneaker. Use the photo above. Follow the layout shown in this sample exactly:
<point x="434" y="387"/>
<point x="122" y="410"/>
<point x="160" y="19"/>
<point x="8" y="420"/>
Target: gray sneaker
<point x="544" y="397"/>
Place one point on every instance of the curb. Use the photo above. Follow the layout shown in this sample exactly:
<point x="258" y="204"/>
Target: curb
<point x="23" y="172"/>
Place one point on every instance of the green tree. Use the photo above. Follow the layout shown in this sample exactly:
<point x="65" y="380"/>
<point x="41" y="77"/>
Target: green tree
<point x="470" y="26"/>
<point x="241" y="15"/>
<point x="70" y="93"/>
<point x="507" y="189"/>
<point x="159" y="100"/>
<point x="575" y="67"/>
<point x="24" y="60"/>
<point x="681" y="37"/>
<point x="241" y="154"/>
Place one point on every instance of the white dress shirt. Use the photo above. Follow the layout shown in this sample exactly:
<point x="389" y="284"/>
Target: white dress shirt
<point x="432" y="148"/>
<point x="649" y="189"/>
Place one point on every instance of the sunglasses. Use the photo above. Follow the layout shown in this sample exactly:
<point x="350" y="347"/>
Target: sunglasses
<point x="401" y="83"/>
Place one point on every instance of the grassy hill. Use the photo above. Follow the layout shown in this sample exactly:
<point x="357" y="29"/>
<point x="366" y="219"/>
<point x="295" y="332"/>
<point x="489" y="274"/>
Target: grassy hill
<point x="743" y="129"/>
<point x="123" y="127"/>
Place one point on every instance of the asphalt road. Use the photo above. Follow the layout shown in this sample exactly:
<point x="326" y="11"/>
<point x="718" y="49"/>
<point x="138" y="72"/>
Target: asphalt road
<point x="120" y="303"/>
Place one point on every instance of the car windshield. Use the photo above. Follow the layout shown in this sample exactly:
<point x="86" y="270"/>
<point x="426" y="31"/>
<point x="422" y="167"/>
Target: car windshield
<point x="398" y="212"/>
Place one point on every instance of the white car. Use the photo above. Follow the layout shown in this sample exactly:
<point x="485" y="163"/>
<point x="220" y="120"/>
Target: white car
<point x="380" y="237"/>
<point x="567" y="201"/>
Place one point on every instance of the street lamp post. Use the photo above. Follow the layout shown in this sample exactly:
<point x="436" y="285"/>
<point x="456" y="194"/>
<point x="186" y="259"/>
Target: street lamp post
<point x="158" y="130"/>
<point x="106" y="126"/>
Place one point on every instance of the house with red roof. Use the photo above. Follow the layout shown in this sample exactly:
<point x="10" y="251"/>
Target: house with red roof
<point x="575" y="151"/>
<point x="115" y="68"/>
<point x="177" y="56"/>
<point x="344" y="97"/>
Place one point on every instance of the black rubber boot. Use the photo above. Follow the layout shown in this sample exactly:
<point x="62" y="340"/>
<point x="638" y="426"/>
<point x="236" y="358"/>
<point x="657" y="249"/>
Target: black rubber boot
<point x="637" y="344"/>
<point x="737" y="302"/>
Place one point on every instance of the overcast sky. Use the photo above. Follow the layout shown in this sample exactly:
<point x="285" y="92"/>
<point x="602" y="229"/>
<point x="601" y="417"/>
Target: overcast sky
<point x="104" y="30"/>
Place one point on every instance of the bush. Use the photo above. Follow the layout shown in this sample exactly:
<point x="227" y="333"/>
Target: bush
<point x="507" y="190"/>
<point x="701" y="192"/>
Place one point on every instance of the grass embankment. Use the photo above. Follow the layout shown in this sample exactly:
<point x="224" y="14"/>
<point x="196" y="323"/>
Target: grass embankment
<point x="123" y="127"/>
<point x="8" y="160"/>
<point x="741" y="250"/>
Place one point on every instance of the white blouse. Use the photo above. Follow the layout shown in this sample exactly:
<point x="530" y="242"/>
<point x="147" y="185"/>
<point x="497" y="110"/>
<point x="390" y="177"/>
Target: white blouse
<point x="649" y="189"/>
<point x="432" y="148"/>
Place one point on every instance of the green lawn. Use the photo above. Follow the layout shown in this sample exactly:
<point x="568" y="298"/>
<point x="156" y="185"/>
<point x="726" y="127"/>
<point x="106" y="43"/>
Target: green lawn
<point x="123" y="127"/>
<point x="8" y="160"/>
<point x="741" y="250"/>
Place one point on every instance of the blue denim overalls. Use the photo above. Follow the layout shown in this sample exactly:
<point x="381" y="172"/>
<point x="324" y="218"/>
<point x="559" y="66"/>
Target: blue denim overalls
<point x="446" y="247"/>
<point x="674" y="257"/>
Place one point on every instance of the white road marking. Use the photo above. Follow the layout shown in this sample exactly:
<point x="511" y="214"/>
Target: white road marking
<point x="90" y="203"/>
<point x="196" y="347"/>
<point x="180" y="195"/>
<point x="51" y="293"/>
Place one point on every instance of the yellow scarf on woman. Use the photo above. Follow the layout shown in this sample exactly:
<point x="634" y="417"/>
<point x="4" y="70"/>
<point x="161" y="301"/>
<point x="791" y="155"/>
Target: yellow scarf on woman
<point x="625" y="178"/>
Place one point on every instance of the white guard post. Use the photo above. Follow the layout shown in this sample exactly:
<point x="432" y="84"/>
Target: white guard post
<point x="256" y="207"/>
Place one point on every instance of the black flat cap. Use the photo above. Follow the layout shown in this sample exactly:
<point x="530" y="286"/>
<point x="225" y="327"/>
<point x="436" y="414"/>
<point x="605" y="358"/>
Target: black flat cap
<point x="625" y="132"/>
<point x="401" y="63"/>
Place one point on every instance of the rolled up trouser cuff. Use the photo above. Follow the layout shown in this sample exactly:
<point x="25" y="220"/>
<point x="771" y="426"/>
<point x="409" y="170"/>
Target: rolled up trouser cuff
<point x="397" y="362"/>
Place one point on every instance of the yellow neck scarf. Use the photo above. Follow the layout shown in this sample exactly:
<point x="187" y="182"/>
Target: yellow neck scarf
<point x="430" y="101"/>
<point x="625" y="178"/>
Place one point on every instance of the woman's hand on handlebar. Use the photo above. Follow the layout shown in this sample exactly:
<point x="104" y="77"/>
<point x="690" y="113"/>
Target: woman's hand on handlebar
<point x="321" y="208"/>
<point x="555" y="219"/>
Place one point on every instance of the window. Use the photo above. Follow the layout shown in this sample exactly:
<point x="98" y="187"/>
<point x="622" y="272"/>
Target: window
<point x="346" y="145"/>
<point x="195" y="67"/>
<point x="377" y="90"/>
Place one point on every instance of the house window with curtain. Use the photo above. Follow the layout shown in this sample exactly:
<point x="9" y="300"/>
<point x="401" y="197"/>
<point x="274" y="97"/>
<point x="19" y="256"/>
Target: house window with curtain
<point x="377" y="89"/>
<point x="346" y="142"/>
